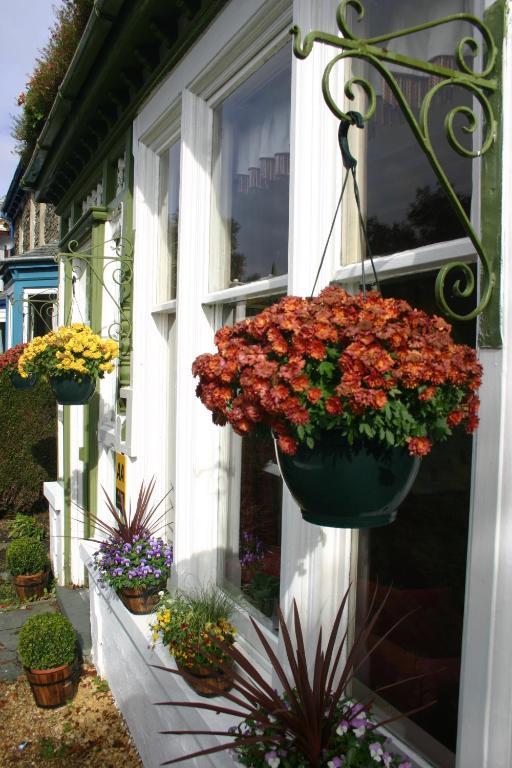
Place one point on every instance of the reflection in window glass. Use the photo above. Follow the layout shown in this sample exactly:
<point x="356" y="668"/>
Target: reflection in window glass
<point x="251" y="175"/>
<point x="169" y="200"/>
<point x="406" y="207"/>
<point x="42" y="314"/>
<point x="421" y="559"/>
<point x="252" y="560"/>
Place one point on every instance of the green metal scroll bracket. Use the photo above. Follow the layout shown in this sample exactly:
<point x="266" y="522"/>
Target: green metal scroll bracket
<point x="483" y="86"/>
<point x="120" y="268"/>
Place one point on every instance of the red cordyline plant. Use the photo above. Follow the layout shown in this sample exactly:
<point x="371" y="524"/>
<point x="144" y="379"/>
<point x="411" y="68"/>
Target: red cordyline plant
<point x="9" y="359"/>
<point x="127" y="528"/>
<point x="374" y="369"/>
<point x="313" y="722"/>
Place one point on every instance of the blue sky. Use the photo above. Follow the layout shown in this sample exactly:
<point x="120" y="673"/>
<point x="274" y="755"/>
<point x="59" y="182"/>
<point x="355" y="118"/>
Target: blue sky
<point x="25" y="30"/>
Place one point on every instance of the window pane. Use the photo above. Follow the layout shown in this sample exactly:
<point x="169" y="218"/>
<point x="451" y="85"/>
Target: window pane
<point x="421" y="558"/>
<point x="406" y="207"/>
<point x="251" y="177"/>
<point x="169" y="219"/>
<point x="252" y="544"/>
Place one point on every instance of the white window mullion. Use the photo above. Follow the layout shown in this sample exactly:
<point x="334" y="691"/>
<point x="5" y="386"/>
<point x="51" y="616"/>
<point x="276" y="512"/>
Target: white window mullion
<point x="315" y="185"/>
<point x="197" y="439"/>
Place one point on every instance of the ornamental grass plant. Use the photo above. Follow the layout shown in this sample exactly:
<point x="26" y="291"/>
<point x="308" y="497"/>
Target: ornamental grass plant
<point x="189" y="625"/>
<point x="367" y="368"/>
<point x="72" y="351"/>
<point x="47" y="641"/>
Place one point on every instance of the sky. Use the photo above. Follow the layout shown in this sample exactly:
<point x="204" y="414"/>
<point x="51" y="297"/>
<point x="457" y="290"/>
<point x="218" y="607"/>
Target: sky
<point x="25" y="31"/>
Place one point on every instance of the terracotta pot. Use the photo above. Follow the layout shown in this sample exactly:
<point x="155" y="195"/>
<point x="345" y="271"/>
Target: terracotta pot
<point x="205" y="680"/>
<point x="52" y="687"/>
<point x="140" y="600"/>
<point x="30" y="586"/>
<point x="71" y="392"/>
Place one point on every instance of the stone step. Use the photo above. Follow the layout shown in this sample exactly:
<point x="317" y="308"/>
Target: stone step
<point x="74" y="604"/>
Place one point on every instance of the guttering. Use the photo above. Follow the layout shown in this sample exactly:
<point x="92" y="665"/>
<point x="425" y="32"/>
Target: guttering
<point x="99" y="25"/>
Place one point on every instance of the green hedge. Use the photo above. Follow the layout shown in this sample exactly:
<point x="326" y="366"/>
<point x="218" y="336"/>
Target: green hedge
<point x="28" y="448"/>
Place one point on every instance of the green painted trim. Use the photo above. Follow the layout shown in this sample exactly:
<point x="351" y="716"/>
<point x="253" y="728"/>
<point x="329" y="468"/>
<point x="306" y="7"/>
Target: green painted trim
<point x="126" y="298"/>
<point x="81" y="229"/>
<point x="66" y="441"/>
<point x="490" y="330"/>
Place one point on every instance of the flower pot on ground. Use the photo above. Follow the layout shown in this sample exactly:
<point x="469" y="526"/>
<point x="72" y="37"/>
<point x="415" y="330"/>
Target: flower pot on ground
<point x="27" y="561"/>
<point x="47" y="648"/>
<point x="189" y="625"/>
<point x="373" y="371"/>
<point x="134" y="562"/>
<point x="72" y="358"/>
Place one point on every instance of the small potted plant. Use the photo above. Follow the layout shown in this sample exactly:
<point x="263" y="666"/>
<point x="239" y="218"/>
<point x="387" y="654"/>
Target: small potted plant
<point x="47" y="648"/>
<point x="189" y="625"/>
<point x="27" y="562"/>
<point x="9" y="367"/>
<point x="355" y="390"/>
<point x="312" y="720"/>
<point x="72" y="358"/>
<point x="132" y="560"/>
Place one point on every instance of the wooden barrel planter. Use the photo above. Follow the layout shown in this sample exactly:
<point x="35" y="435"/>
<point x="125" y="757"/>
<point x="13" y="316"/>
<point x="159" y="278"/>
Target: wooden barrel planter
<point x="205" y="680"/>
<point x="31" y="586"/>
<point x="52" y="687"/>
<point x="140" y="600"/>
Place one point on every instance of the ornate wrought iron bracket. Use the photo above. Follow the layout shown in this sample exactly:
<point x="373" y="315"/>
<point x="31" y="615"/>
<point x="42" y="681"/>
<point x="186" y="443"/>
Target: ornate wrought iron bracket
<point x="480" y="85"/>
<point x="44" y="306"/>
<point x="119" y="266"/>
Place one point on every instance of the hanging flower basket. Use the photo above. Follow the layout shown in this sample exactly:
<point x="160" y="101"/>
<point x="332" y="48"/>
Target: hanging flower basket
<point x="69" y="391"/>
<point x="342" y="487"/>
<point x="18" y="382"/>
<point x="71" y="359"/>
<point x="387" y="379"/>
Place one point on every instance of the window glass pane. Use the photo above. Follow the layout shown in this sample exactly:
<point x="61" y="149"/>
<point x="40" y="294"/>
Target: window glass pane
<point x="406" y="207"/>
<point x="251" y="177"/>
<point x="169" y="199"/>
<point x="421" y="559"/>
<point x="42" y="314"/>
<point x="252" y="543"/>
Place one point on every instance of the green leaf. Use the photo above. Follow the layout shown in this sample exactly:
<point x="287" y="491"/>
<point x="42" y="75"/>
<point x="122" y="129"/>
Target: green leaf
<point x="310" y="442"/>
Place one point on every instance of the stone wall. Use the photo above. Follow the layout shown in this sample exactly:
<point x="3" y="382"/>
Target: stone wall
<point x="51" y="225"/>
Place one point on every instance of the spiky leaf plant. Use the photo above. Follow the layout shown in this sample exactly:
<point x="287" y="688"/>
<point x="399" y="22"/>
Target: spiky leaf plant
<point x="127" y="527"/>
<point x="314" y="722"/>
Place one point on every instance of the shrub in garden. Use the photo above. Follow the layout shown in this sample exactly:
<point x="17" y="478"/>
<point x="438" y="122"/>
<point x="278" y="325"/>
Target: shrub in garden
<point x="26" y="527"/>
<point x="28" y="423"/>
<point x="47" y="641"/>
<point x="26" y="556"/>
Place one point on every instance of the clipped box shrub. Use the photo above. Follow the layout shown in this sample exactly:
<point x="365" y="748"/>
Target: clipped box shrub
<point x="28" y="425"/>
<point x="47" y="641"/>
<point x="26" y="556"/>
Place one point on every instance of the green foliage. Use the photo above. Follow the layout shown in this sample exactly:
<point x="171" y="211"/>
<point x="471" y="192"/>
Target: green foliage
<point x="47" y="641"/>
<point x="26" y="527"/>
<point x="263" y="591"/>
<point x="26" y="556"/>
<point x="29" y="437"/>
<point x="101" y="685"/>
<point x="8" y="596"/>
<point x="52" y="750"/>
<point x="188" y="625"/>
<point x="49" y="71"/>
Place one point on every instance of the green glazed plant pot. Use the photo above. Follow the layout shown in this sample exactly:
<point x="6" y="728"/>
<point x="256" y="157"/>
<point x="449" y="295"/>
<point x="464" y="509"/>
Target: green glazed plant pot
<point x="71" y="392"/>
<point x="19" y="382"/>
<point x="339" y="486"/>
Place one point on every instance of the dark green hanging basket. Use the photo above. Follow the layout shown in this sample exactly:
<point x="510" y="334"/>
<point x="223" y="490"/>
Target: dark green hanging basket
<point x="19" y="382"/>
<point x="339" y="486"/>
<point x="71" y="392"/>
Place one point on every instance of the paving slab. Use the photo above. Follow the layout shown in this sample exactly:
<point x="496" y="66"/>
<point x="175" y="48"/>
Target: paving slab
<point x="11" y="621"/>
